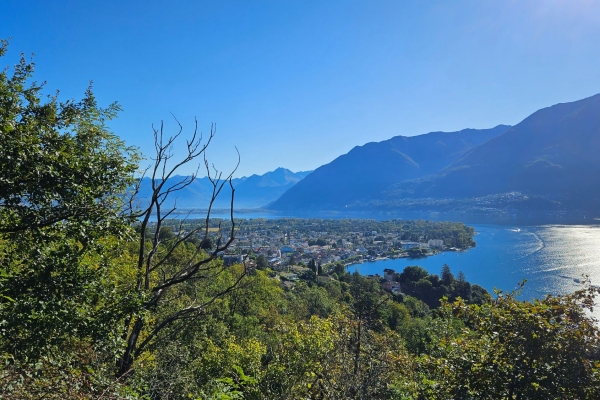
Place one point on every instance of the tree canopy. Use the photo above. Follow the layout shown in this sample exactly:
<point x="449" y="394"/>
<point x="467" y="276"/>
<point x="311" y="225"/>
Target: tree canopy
<point x="63" y="175"/>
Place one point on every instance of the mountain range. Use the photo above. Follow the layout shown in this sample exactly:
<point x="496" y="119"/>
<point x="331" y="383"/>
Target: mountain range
<point x="555" y="152"/>
<point x="550" y="160"/>
<point x="366" y="171"/>
<point x="250" y="192"/>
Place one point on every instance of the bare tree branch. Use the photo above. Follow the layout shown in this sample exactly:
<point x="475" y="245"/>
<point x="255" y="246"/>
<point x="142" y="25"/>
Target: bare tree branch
<point x="156" y="254"/>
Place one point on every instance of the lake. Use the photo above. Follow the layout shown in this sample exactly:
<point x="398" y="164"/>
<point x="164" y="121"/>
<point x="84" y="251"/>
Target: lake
<point x="550" y="257"/>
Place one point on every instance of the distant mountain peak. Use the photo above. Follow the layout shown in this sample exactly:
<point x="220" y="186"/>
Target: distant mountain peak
<point x="250" y="192"/>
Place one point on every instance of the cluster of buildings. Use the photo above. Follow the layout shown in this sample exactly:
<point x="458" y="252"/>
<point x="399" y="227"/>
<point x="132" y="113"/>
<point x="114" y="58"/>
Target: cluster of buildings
<point x="286" y="248"/>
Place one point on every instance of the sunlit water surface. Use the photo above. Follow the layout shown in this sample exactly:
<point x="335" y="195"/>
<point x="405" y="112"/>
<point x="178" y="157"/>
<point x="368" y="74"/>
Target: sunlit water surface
<point x="553" y="258"/>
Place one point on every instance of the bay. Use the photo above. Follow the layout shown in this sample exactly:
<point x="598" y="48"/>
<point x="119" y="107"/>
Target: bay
<point x="552" y="258"/>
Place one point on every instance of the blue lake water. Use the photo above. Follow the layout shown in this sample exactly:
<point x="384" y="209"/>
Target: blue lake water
<point x="550" y="257"/>
<point x="225" y="215"/>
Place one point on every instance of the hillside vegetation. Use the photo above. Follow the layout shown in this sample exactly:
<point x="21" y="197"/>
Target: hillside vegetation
<point x="96" y="303"/>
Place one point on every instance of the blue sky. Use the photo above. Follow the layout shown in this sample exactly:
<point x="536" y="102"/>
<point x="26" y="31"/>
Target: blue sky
<point x="297" y="83"/>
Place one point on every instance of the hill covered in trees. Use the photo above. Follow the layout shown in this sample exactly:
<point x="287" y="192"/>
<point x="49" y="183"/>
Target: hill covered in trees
<point x="96" y="303"/>
<point x="552" y="154"/>
<point x="366" y="171"/>
<point x="546" y="164"/>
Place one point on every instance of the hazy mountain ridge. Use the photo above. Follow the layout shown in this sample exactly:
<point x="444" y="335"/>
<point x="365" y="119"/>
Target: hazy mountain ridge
<point x="370" y="169"/>
<point x="250" y="192"/>
<point x="553" y="154"/>
<point x="549" y="161"/>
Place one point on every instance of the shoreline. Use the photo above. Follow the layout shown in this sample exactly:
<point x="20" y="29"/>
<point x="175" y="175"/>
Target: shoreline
<point x="449" y="250"/>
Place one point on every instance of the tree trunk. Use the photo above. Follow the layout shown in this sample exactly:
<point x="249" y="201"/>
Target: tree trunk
<point x="126" y="361"/>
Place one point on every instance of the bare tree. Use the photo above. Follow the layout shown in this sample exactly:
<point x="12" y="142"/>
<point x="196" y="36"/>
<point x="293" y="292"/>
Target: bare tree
<point x="156" y="276"/>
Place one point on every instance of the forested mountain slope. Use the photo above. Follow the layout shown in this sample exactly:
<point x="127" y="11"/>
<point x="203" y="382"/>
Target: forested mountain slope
<point x="366" y="171"/>
<point x="549" y="162"/>
<point x="554" y="153"/>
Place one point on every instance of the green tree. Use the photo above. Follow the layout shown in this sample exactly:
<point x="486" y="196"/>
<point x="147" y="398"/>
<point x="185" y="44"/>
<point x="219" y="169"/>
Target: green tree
<point x="339" y="268"/>
<point x="462" y="288"/>
<point x="64" y="223"/>
<point x="545" y="349"/>
<point x="413" y="274"/>
<point x="165" y="233"/>
<point x="366" y="306"/>
<point x="207" y="244"/>
<point x="317" y="242"/>
<point x="261" y="262"/>
<point x="312" y="265"/>
<point x="63" y="176"/>
<point x="447" y="277"/>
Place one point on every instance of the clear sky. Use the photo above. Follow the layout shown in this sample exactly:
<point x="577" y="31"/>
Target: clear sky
<point x="297" y="83"/>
